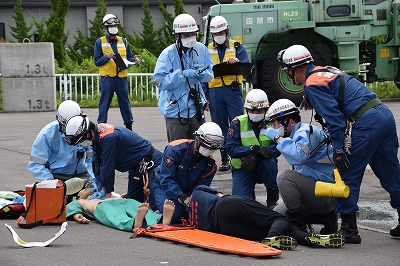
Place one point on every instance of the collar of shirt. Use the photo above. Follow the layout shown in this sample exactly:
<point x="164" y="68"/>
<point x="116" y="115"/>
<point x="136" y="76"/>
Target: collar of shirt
<point x="108" y="38"/>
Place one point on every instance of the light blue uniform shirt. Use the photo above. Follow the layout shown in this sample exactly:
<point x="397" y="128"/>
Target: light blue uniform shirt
<point x="50" y="155"/>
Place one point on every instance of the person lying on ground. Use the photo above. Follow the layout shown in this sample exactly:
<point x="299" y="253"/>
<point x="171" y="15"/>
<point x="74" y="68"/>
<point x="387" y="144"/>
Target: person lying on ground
<point x="246" y="218"/>
<point x="121" y="213"/>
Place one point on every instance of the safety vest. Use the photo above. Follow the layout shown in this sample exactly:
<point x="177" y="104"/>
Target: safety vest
<point x="229" y="52"/>
<point x="110" y="68"/>
<point x="248" y="138"/>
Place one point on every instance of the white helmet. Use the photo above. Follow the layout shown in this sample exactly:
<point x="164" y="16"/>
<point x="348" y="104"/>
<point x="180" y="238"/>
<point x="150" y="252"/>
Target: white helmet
<point x="184" y="23"/>
<point x="256" y="99"/>
<point x="280" y="109"/>
<point x="218" y="24"/>
<point x="77" y="128"/>
<point x="66" y="110"/>
<point x="294" y="56"/>
<point x="209" y="135"/>
<point x="110" y="20"/>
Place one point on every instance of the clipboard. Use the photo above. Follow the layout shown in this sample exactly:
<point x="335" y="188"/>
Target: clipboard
<point x="238" y="68"/>
<point x="122" y="63"/>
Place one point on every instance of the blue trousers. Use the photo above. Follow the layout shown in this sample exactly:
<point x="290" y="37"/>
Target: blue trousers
<point x="225" y="104"/>
<point x="135" y="181"/>
<point x="109" y="86"/>
<point x="244" y="182"/>
<point x="374" y="142"/>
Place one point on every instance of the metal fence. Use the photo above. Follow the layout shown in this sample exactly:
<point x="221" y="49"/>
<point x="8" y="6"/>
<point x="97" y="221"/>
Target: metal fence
<point x="87" y="86"/>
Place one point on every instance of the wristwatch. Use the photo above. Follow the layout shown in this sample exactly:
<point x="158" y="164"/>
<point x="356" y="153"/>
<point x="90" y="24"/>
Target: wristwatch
<point x="276" y="137"/>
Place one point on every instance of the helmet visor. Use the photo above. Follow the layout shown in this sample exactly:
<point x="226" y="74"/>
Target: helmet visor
<point x="111" y="21"/>
<point x="212" y="142"/>
<point x="71" y="139"/>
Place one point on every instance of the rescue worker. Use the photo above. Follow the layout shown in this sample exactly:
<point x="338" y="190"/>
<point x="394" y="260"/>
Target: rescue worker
<point x="186" y="164"/>
<point x="179" y="71"/>
<point x="362" y="129"/>
<point x="224" y="92"/>
<point x="52" y="158"/>
<point x="307" y="149"/>
<point x="112" y="79"/>
<point x="253" y="155"/>
<point x="115" y="148"/>
<point x="246" y="218"/>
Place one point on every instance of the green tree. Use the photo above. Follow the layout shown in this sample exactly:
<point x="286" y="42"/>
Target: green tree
<point x="166" y="38"/>
<point x="149" y="38"/>
<point x="84" y="45"/>
<point x="21" y="31"/>
<point x="179" y="7"/>
<point x="52" y="29"/>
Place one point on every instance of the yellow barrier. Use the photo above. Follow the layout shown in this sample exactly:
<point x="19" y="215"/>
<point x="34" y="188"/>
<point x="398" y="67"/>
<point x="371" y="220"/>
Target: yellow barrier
<point x="337" y="190"/>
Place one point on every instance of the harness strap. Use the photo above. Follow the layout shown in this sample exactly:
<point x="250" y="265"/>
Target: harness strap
<point x="370" y="104"/>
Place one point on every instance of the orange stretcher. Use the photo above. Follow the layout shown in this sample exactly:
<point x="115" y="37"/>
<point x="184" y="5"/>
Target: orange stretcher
<point x="204" y="239"/>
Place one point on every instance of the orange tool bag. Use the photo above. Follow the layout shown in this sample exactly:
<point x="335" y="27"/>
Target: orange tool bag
<point x="44" y="205"/>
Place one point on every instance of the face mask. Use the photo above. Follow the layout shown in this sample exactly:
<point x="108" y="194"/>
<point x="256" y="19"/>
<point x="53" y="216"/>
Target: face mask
<point x="205" y="152"/>
<point x="189" y="42"/>
<point x="220" y="39"/>
<point x="281" y="131"/>
<point x="113" y="30"/>
<point x="86" y="143"/>
<point x="256" y="117"/>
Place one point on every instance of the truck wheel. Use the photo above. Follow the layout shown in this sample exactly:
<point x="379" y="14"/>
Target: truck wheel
<point x="276" y="83"/>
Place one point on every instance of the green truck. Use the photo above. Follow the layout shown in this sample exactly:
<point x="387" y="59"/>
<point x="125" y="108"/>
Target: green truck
<point x="346" y="34"/>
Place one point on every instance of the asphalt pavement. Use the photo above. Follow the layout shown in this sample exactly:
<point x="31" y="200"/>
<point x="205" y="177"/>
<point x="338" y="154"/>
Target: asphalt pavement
<point x="96" y="244"/>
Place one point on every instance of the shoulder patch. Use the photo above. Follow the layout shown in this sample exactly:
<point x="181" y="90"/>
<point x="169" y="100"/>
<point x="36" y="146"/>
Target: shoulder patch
<point x="230" y="133"/>
<point x="169" y="160"/>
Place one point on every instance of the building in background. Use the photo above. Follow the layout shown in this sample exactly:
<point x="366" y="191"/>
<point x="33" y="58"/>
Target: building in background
<point x="130" y="13"/>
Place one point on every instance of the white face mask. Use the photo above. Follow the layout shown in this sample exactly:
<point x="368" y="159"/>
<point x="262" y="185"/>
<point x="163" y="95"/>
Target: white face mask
<point x="220" y="39"/>
<point x="86" y="143"/>
<point x="281" y="131"/>
<point x="256" y="117"/>
<point x="189" y="42"/>
<point x="205" y="152"/>
<point x="113" y="30"/>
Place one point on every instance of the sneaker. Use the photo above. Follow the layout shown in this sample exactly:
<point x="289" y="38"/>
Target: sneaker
<point x="395" y="231"/>
<point x="327" y="241"/>
<point x="280" y="242"/>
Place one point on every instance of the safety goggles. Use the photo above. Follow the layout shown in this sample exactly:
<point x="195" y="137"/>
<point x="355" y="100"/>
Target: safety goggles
<point x="211" y="142"/>
<point x="112" y="21"/>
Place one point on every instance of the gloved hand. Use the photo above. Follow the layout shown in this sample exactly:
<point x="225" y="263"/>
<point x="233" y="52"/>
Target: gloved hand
<point x="183" y="199"/>
<point x="98" y="195"/>
<point x="270" y="133"/>
<point x="340" y="159"/>
<point x="250" y="161"/>
<point x="263" y="151"/>
<point x="203" y="74"/>
<point x="190" y="73"/>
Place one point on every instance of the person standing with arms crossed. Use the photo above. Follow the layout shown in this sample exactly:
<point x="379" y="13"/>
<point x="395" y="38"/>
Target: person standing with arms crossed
<point x="224" y="92"/>
<point x="112" y="79"/>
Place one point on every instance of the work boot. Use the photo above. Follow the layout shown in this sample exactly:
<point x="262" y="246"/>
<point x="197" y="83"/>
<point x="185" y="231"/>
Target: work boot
<point x="280" y="242"/>
<point x="225" y="161"/>
<point x="297" y="220"/>
<point x="395" y="231"/>
<point x="348" y="228"/>
<point x="326" y="241"/>
<point x="272" y="197"/>
<point x="329" y="220"/>
<point x="129" y="126"/>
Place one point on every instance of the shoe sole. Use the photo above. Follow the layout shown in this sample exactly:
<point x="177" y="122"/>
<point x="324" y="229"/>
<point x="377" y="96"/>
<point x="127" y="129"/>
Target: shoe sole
<point x="280" y="242"/>
<point x="327" y="241"/>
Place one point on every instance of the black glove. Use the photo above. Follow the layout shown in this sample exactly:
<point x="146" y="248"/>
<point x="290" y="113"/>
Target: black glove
<point x="264" y="151"/>
<point x="250" y="161"/>
<point x="183" y="199"/>
<point x="340" y="159"/>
